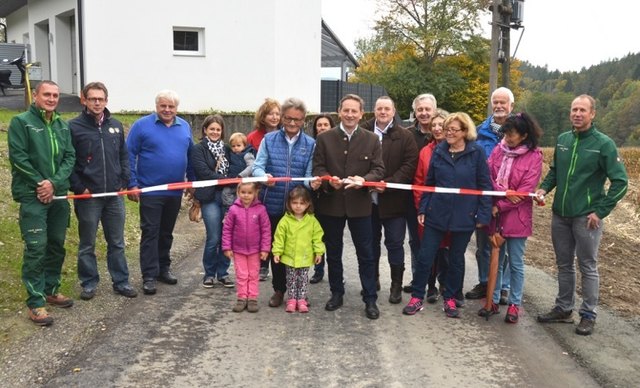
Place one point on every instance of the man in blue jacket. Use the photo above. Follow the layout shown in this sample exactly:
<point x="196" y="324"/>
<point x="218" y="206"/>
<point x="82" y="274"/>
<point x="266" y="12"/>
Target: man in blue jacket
<point x="102" y="165"/>
<point x="158" y="154"/>
<point x="489" y="135"/>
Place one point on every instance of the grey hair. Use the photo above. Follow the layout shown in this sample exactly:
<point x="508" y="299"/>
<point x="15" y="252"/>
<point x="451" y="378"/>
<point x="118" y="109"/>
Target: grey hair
<point x="503" y="90"/>
<point x="425" y="96"/>
<point x="294" y="103"/>
<point x="168" y="95"/>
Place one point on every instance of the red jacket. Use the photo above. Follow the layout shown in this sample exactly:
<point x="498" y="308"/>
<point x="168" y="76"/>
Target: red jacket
<point x="246" y="230"/>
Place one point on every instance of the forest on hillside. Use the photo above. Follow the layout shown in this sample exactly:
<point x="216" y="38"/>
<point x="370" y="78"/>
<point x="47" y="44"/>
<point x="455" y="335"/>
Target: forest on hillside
<point x="615" y="85"/>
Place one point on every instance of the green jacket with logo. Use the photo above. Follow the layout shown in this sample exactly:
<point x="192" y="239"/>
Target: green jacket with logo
<point x="39" y="150"/>
<point x="582" y="162"/>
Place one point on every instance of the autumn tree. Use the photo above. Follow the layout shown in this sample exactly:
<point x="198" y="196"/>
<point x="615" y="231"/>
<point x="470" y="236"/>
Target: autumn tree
<point x="428" y="46"/>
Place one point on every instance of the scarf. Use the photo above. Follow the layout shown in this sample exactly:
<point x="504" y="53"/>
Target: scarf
<point x="496" y="128"/>
<point x="217" y="150"/>
<point x="509" y="154"/>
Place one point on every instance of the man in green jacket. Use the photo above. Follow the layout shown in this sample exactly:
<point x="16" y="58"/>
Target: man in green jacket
<point x="584" y="158"/>
<point x="42" y="158"/>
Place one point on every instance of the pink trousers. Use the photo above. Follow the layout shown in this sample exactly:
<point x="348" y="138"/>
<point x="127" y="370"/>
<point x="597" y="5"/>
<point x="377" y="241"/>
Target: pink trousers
<point x="247" y="268"/>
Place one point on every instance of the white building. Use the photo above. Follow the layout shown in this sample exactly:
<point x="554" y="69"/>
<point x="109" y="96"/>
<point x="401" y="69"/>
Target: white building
<point x="224" y="55"/>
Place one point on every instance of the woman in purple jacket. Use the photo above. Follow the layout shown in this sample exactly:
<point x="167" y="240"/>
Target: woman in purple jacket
<point x="515" y="164"/>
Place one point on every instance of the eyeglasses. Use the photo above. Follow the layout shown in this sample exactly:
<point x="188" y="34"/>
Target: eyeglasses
<point x="453" y="130"/>
<point x="93" y="100"/>
<point x="292" y="120"/>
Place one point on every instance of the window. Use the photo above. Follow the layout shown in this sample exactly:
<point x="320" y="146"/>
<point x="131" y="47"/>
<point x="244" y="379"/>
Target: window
<point x="188" y="41"/>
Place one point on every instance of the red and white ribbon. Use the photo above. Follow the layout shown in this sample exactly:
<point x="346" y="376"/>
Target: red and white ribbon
<point x="264" y="179"/>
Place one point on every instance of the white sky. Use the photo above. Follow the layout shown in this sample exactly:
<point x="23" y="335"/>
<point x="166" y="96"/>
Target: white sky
<point x="563" y="34"/>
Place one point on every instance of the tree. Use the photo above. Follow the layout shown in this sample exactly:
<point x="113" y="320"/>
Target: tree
<point x="427" y="46"/>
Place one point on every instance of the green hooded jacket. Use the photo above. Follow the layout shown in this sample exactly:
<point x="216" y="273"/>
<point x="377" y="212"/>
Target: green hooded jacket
<point x="582" y="162"/>
<point x="39" y="150"/>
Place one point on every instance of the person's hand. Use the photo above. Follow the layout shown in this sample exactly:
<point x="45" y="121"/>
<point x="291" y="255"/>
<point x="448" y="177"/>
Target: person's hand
<point x="335" y="182"/>
<point x="494" y="211"/>
<point x="593" y="221"/>
<point x="514" y="199"/>
<point x="135" y="197"/>
<point x="318" y="259"/>
<point x="272" y="183"/>
<point x="421" y="219"/>
<point x="540" y="193"/>
<point x="44" y="191"/>
<point x="356" y="182"/>
<point x="315" y="183"/>
<point x="276" y="258"/>
<point x="264" y="255"/>
<point x="378" y="189"/>
<point x="480" y="226"/>
<point x="229" y="254"/>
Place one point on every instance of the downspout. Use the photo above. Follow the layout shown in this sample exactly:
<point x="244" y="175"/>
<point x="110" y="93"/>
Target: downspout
<point x="80" y="12"/>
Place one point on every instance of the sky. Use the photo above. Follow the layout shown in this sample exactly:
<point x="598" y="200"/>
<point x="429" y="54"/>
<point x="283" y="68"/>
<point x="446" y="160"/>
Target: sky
<point x="561" y="34"/>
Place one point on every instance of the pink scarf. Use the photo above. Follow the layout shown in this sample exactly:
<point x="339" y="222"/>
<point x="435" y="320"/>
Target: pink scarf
<point x="509" y="154"/>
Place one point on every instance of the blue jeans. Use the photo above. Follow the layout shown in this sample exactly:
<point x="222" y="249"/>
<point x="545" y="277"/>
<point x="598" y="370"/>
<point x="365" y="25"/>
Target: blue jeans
<point x="360" y="228"/>
<point x="394" y="232"/>
<point x="571" y="238"/>
<point x="110" y="212"/>
<point x="431" y="240"/>
<point x="483" y="252"/>
<point x="214" y="262"/>
<point x="514" y="249"/>
<point x="158" y="215"/>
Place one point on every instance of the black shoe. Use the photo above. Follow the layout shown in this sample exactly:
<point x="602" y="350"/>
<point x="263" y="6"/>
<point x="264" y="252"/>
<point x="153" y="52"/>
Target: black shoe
<point x="88" y="293"/>
<point x="168" y="277"/>
<point x="149" y="287"/>
<point x="432" y="295"/>
<point x="126" y="290"/>
<point x="226" y="282"/>
<point x="408" y="288"/>
<point x="585" y="327"/>
<point x="334" y="302"/>
<point x="316" y="278"/>
<point x="478" y="291"/>
<point x="556" y="316"/>
<point x="371" y="310"/>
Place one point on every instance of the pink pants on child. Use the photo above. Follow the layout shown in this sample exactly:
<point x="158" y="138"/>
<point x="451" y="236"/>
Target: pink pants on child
<point x="247" y="268"/>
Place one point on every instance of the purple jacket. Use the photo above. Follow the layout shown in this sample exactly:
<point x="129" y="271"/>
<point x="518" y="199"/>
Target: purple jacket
<point x="246" y="230"/>
<point x="516" y="220"/>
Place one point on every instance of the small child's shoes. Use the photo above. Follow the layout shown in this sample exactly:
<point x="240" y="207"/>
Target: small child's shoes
<point x="303" y="307"/>
<point x="291" y="306"/>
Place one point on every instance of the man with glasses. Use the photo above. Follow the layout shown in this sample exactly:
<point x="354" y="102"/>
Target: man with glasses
<point x="284" y="152"/>
<point x="102" y="165"/>
<point x="42" y="157"/>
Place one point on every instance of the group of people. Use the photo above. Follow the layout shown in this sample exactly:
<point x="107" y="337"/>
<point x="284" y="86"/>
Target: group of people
<point x="295" y="225"/>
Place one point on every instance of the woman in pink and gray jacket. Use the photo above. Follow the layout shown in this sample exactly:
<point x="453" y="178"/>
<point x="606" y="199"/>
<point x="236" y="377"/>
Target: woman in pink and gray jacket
<point x="515" y="164"/>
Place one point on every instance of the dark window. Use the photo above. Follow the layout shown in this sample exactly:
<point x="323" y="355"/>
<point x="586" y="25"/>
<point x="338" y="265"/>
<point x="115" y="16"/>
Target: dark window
<point x="185" y="40"/>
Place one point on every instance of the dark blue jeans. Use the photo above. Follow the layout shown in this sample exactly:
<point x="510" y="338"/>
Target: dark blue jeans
<point x="360" y="228"/>
<point x="394" y="232"/>
<point x="110" y="212"/>
<point x="414" y="236"/>
<point x="431" y="240"/>
<point x="158" y="216"/>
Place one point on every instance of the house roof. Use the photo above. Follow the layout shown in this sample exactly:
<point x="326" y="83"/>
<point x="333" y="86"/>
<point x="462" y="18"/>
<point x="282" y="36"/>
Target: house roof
<point x="8" y="6"/>
<point x="334" y="54"/>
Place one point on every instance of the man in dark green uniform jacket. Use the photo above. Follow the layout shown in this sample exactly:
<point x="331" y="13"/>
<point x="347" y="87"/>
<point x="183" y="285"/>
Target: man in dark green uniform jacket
<point x="583" y="160"/>
<point x="42" y="158"/>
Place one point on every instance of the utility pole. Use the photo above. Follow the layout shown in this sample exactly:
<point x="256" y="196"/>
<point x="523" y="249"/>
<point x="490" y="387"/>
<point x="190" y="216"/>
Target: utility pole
<point x="506" y="14"/>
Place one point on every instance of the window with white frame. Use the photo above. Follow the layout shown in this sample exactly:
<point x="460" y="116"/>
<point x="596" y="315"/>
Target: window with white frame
<point x="188" y="41"/>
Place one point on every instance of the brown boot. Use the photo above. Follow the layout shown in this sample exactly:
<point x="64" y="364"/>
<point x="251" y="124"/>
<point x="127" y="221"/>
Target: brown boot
<point x="276" y="299"/>
<point x="59" y="300"/>
<point x="40" y="316"/>
<point x="252" y="306"/>
<point x="241" y="304"/>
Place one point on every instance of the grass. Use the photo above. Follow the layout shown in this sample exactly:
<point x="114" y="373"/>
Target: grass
<point x="11" y="245"/>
